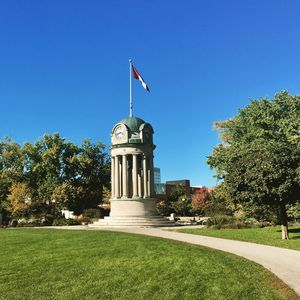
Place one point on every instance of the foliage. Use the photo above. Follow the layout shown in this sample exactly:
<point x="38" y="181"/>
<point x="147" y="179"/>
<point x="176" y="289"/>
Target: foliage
<point x="293" y="211"/>
<point x="63" y="222"/>
<point x="219" y="220"/>
<point x="182" y="206"/>
<point x="18" y="200"/>
<point x="219" y="203"/>
<point x="93" y="213"/>
<point x="178" y="275"/>
<point x="32" y="222"/>
<point x="54" y="174"/>
<point x="164" y="207"/>
<point x="259" y="157"/>
<point x="180" y="202"/>
<point x="200" y="200"/>
<point x="225" y="221"/>
<point x="176" y="193"/>
<point x="106" y="194"/>
<point x="260" y="212"/>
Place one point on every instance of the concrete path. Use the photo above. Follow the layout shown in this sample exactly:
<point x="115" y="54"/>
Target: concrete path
<point x="284" y="263"/>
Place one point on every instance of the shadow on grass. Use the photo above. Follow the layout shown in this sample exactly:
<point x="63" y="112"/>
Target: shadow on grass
<point x="293" y="230"/>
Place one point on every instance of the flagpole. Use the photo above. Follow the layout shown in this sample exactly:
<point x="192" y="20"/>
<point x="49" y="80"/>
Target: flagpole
<point x="130" y="87"/>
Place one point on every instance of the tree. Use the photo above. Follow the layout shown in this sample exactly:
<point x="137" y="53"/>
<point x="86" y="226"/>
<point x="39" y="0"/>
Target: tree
<point x="11" y="169"/>
<point x="19" y="200"/>
<point x="58" y="173"/>
<point x="200" y="200"/>
<point x="106" y="194"/>
<point x="179" y="201"/>
<point x="219" y="202"/>
<point x="93" y="175"/>
<point x="293" y="211"/>
<point x="182" y="206"/>
<point x="259" y="157"/>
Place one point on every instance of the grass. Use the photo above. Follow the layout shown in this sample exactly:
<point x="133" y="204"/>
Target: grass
<point x="62" y="264"/>
<point x="267" y="236"/>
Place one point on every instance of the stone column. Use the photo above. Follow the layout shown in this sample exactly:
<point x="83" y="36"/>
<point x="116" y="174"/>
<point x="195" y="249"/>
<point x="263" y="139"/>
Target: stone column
<point x="112" y="177"/>
<point x="140" y="186"/>
<point x="145" y="176"/>
<point x="134" y="176"/>
<point x="152" y="189"/>
<point x="124" y="177"/>
<point x="148" y="182"/>
<point x="117" y="185"/>
<point x="120" y="176"/>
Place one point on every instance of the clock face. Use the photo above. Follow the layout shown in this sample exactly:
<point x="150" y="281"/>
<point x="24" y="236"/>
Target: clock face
<point x="120" y="132"/>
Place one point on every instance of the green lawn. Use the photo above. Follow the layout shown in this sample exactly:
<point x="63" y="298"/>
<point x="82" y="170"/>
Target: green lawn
<point x="267" y="236"/>
<point x="62" y="264"/>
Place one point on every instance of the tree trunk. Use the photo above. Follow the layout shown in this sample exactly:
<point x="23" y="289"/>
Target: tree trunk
<point x="284" y="223"/>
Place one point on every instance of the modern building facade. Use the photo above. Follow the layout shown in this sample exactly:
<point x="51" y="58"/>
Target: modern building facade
<point x="157" y="177"/>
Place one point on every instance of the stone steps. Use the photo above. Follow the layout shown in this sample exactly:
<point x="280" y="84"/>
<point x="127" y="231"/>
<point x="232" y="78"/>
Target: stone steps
<point x="121" y="222"/>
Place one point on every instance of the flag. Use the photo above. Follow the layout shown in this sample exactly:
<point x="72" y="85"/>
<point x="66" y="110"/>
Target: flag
<point x="137" y="75"/>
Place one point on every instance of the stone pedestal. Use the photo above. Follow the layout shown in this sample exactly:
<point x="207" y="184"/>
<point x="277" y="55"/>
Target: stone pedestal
<point x="133" y="213"/>
<point x="133" y="208"/>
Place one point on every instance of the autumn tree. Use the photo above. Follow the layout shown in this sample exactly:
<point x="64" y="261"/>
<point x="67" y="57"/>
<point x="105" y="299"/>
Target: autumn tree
<point x="19" y="200"/>
<point x="259" y="157"/>
<point x="200" y="200"/>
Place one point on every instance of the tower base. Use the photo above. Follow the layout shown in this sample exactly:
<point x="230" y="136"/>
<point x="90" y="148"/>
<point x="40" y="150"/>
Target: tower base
<point x="133" y="213"/>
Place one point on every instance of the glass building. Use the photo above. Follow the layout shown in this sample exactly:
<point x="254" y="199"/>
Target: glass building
<point x="157" y="178"/>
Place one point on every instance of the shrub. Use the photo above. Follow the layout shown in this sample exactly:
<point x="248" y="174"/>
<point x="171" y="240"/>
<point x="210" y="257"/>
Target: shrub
<point x="219" y="220"/>
<point x="63" y="221"/>
<point x="227" y="222"/>
<point x="182" y="206"/>
<point x="163" y="207"/>
<point x="84" y="220"/>
<point x="236" y="225"/>
<point x="32" y="222"/>
<point x="104" y="211"/>
<point x="92" y="213"/>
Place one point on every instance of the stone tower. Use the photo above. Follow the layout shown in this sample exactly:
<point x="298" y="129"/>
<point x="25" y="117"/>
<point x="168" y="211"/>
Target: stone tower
<point x="132" y="200"/>
<point x="132" y="170"/>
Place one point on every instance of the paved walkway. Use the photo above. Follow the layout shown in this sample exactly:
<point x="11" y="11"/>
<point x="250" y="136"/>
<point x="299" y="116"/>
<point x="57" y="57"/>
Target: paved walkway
<point x="284" y="263"/>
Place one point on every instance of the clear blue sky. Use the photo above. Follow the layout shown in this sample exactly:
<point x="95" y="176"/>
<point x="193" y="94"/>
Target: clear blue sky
<point x="64" y="68"/>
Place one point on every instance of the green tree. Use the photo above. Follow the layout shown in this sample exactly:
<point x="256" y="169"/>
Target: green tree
<point x="179" y="201"/>
<point x="11" y="168"/>
<point x="93" y="174"/>
<point x="293" y="211"/>
<point x="259" y="158"/>
<point x="58" y="173"/>
<point x="219" y="203"/>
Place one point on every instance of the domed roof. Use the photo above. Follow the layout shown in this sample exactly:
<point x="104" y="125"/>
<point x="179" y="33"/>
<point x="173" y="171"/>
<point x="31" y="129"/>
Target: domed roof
<point x="133" y="123"/>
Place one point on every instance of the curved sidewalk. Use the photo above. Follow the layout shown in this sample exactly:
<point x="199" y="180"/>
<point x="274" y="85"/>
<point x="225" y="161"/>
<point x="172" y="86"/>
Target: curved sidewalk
<point x="284" y="263"/>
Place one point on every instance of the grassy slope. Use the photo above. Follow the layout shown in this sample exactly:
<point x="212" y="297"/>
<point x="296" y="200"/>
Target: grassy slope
<point x="268" y="236"/>
<point x="59" y="264"/>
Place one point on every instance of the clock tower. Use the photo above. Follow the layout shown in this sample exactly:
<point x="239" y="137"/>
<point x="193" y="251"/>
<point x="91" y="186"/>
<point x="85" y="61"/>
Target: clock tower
<point x="133" y="201"/>
<point x="132" y="168"/>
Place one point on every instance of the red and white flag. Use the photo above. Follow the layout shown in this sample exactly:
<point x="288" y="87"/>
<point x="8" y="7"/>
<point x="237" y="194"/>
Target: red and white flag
<point x="137" y="75"/>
